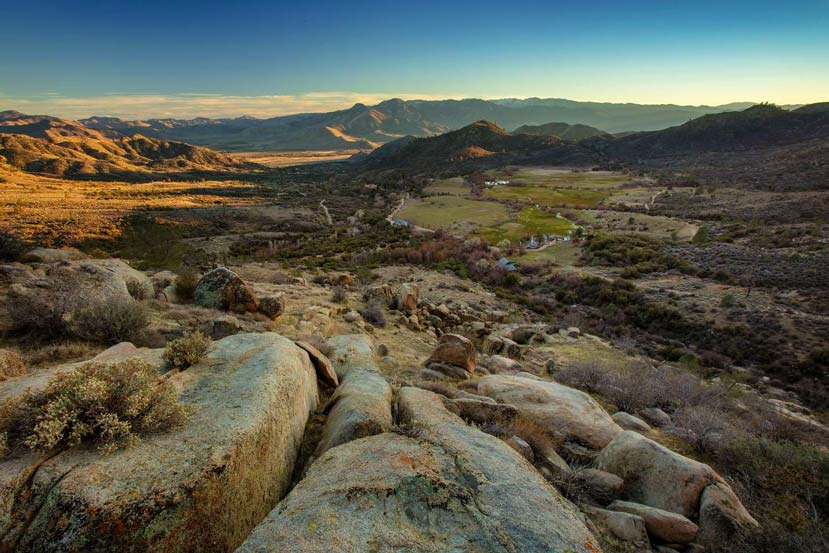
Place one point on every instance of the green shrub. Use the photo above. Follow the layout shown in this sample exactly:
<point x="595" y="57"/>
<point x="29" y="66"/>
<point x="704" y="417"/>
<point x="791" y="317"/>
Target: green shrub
<point x="111" y="322"/>
<point x="186" y="351"/>
<point x="728" y="300"/>
<point x="106" y="405"/>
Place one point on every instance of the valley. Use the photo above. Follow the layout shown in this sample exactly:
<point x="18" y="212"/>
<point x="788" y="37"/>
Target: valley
<point x="413" y="329"/>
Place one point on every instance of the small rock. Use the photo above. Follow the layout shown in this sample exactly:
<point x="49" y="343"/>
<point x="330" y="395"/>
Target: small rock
<point x="407" y="297"/>
<point x="221" y="288"/>
<point x="454" y="349"/>
<point x="663" y="525"/>
<point x="601" y="486"/>
<point x="272" y="306"/>
<point x="624" y="526"/>
<point x="630" y="422"/>
<point x="521" y="447"/>
<point x="655" y="416"/>
<point x="351" y="316"/>
<point x="223" y="326"/>
<point x="449" y="370"/>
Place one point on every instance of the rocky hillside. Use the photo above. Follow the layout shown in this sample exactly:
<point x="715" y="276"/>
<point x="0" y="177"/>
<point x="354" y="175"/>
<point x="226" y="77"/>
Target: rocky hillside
<point x="411" y="412"/>
<point x="564" y="131"/>
<point x="43" y="144"/>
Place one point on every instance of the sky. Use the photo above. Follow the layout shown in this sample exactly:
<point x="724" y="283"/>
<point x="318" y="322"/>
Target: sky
<point x="76" y="58"/>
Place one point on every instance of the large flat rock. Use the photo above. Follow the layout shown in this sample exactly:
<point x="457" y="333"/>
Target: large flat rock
<point x="200" y="487"/>
<point x="444" y="486"/>
<point x="554" y="406"/>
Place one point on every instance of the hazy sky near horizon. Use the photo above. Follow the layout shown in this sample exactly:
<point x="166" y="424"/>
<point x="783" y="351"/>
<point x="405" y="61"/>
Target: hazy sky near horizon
<point x="184" y="58"/>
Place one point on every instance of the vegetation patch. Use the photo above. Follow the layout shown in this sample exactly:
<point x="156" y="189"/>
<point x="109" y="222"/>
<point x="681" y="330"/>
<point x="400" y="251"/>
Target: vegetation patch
<point x="106" y="405"/>
<point x="551" y="197"/>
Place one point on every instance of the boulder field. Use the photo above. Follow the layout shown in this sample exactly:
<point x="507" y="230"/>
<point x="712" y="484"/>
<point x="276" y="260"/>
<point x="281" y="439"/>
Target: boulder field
<point x="442" y="486"/>
<point x="200" y="487"/>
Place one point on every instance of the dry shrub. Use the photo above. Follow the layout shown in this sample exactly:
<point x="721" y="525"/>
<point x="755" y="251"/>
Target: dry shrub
<point x="186" y="283"/>
<point x="105" y="405"/>
<point x="45" y="314"/>
<point x="634" y="388"/>
<point x="136" y="289"/>
<point x="50" y="354"/>
<point x="11" y="364"/>
<point x="188" y="350"/>
<point x="111" y="322"/>
<point x="374" y="315"/>
<point x="11" y="247"/>
<point x="339" y="294"/>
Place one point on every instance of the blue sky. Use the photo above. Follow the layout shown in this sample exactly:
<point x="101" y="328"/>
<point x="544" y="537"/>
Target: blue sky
<point x="184" y="58"/>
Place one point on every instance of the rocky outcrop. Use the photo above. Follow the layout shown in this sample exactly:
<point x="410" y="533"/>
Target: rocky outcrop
<point x="200" y="487"/>
<point x="658" y="477"/>
<point x="11" y="364"/>
<point x="557" y="408"/>
<point x="51" y="255"/>
<point x="664" y="526"/>
<point x="360" y="407"/>
<point x="451" y="488"/>
<point x="454" y="350"/>
<point x="223" y="289"/>
<point x="721" y="514"/>
<point x="349" y="351"/>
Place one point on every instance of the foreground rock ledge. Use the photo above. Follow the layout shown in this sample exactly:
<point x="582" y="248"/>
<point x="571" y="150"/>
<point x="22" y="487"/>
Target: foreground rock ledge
<point x="201" y="487"/>
<point x="444" y="487"/>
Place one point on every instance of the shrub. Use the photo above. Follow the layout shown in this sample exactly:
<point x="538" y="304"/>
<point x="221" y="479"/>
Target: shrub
<point x="188" y="350"/>
<point x="728" y="300"/>
<point x="107" y="405"/>
<point x="373" y="313"/>
<point x="11" y="247"/>
<point x="11" y="364"/>
<point x="45" y="314"/>
<point x="186" y="282"/>
<point x="111" y="322"/>
<point x="136" y="289"/>
<point x="339" y="294"/>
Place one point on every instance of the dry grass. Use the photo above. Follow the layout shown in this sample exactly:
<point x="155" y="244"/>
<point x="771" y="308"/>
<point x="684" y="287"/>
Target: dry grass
<point x="61" y="211"/>
<point x="188" y="350"/>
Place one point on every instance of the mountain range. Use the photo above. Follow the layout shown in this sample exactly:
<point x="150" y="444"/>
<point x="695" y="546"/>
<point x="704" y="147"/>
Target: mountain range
<point x="366" y="127"/>
<point x="44" y="144"/>
<point x="792" y="144"/>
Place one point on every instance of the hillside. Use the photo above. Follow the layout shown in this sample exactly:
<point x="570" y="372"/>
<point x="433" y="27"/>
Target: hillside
<point x="365" y="127"/>
<point x="565" y="131"/>
<point x="44" y="144"/>
<point x="763" y="146"/>
<point x="481" y="144"/>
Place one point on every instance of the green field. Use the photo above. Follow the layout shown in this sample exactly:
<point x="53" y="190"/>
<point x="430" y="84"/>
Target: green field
<point x="527" y="222"/>
<point x="552" y="197"/>
<point x="445" y="211"/>
<point x="454" y="187"/>
<point x="561" y="178"/>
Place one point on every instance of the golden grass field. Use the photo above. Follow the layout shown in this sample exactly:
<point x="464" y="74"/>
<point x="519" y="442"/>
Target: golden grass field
<point x="300" y="157"/>
<point x="60" y="211"/>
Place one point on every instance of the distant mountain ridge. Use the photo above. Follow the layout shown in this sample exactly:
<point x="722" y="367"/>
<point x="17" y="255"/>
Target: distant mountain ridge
<point x="366" y="127"/>
<point x="564" y="131"/>
<point x="45" y="144"/>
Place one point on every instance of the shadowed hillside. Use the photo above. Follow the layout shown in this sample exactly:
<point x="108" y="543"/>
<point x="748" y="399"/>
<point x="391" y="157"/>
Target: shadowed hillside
<point x="564" y="131"/>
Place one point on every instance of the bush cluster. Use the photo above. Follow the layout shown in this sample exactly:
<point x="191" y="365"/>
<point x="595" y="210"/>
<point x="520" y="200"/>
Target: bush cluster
<point x="106" y="405"/>
<point x="188" y="350"/>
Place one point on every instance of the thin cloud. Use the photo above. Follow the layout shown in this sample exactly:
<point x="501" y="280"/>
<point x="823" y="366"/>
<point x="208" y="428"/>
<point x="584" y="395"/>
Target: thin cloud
<point x="185" y="106"/>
